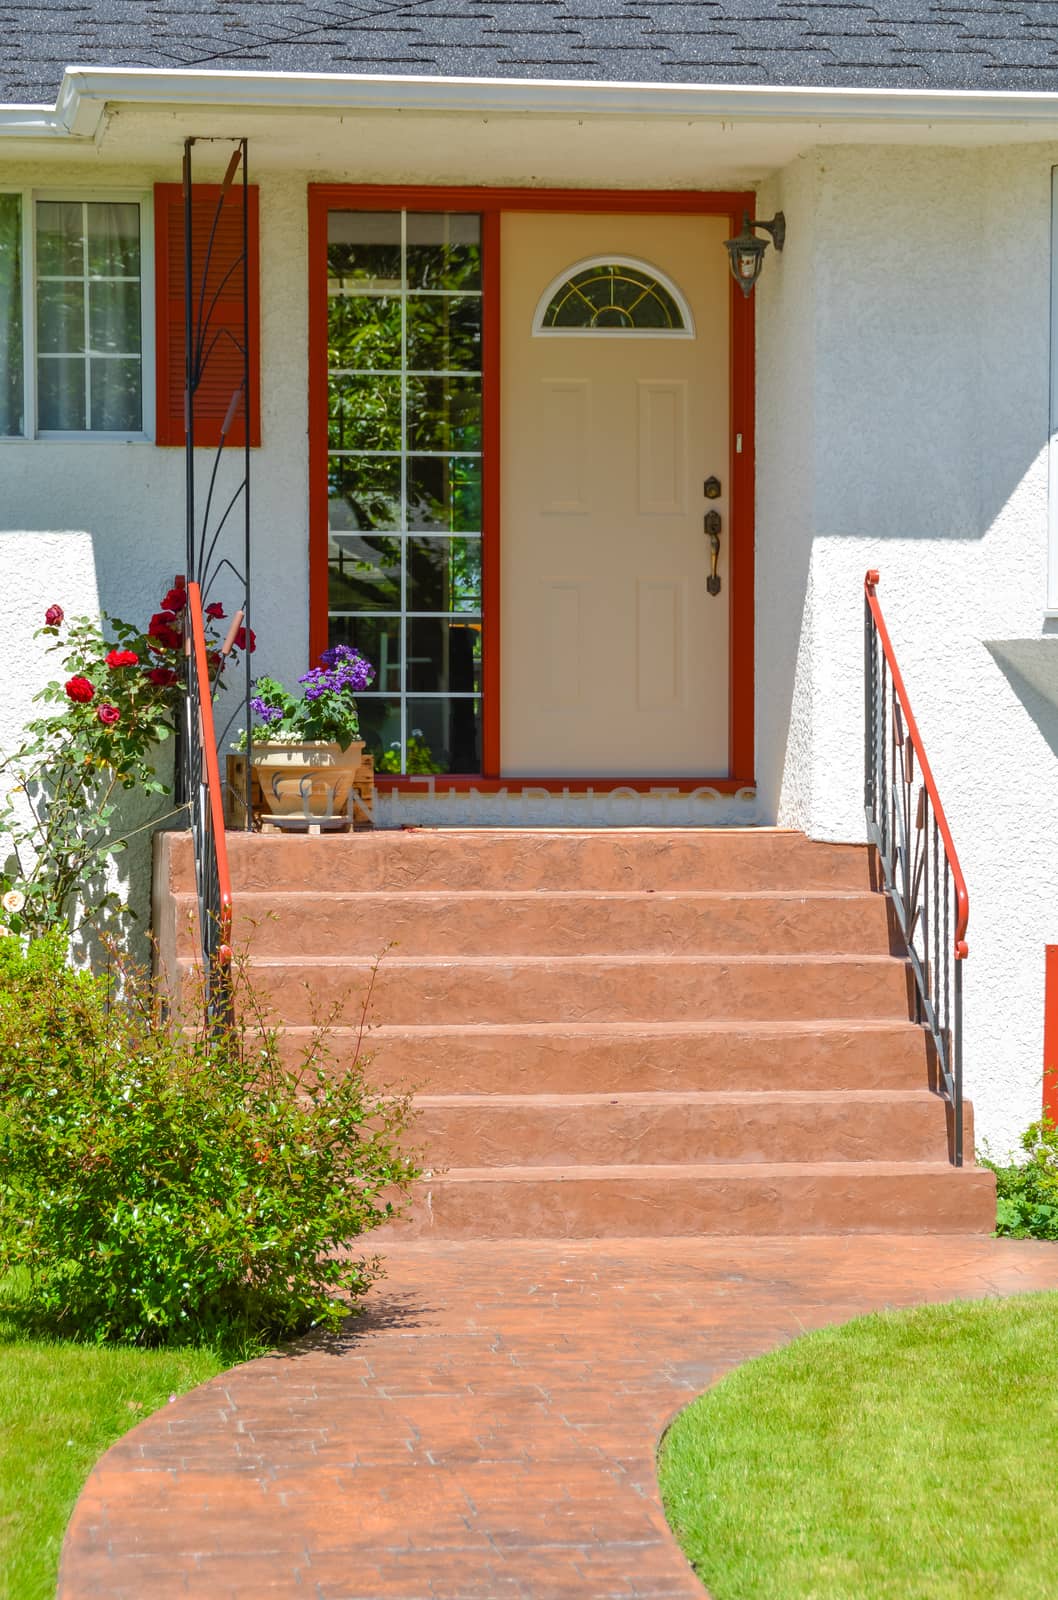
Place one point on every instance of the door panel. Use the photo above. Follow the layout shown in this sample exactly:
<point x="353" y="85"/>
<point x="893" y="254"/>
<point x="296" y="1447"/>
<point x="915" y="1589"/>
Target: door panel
<point x="662" y="447"/>
<point x="565" y="418"/>
<point x="614" y="657"/>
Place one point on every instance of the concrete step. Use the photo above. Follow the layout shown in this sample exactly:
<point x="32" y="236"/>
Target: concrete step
<point x="589" y="1057"/>
<point x="549" y="922"/>
<point x="473" y="989"/>
<point x="753" y="1198"/>
<point x="609" y="1033"/>
<point x="563" y="1130"/>
<point x="451" y="859"/>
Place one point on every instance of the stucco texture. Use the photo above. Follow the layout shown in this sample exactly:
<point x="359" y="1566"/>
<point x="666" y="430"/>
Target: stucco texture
<point x="128" y="498"/>
<point x="36" y="571"/>
<point x="903" y="419"/>
<point x="902" y="423"/>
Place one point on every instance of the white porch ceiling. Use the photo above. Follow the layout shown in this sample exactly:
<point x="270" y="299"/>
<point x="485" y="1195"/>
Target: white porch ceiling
<point x="462" y="131"/>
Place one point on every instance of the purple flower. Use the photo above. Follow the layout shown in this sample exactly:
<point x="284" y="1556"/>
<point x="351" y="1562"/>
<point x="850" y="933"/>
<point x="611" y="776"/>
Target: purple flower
<point x="344" y="669"/>
<point x="262" y="709"/>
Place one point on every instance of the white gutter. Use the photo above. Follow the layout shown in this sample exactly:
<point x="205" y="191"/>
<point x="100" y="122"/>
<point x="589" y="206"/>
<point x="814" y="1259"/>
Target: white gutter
<point x="87" y="91"/>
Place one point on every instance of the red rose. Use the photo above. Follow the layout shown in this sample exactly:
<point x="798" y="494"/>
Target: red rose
<point x="176" y="599"/>
<point x="161" y="632"/>
<point x="108" y="715"/>
<point x="216" y="661"/>
<point x="54" y="615"/>
<point x="240" y="640"/>
<point x="80" y="689"/>
<point x="216" y="611"/>
<point x="123" y="658"/>
<point x="162" y="676"/>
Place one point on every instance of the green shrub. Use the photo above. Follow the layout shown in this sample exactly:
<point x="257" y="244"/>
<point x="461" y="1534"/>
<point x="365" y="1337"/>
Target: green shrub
<point x="1027" y="1194"/>
<point x="160" y="1186"/>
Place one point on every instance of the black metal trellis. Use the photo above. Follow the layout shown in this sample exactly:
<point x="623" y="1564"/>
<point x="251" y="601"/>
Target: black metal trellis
<point x="214" y="549"/>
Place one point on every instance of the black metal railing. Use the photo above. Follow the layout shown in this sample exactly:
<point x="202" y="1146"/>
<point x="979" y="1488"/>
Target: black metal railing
<point x="919" y="867"/>
<point x="217" y="526"/>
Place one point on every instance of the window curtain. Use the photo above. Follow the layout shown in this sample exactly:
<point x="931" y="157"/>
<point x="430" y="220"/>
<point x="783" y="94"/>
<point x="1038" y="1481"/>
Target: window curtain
<point x="11" y="341"/>
<point x="116" y="401"/>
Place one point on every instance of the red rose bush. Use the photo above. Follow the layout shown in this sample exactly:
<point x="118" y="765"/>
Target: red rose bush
<point x="102" y="722"/>
<point x="117" y="701"/>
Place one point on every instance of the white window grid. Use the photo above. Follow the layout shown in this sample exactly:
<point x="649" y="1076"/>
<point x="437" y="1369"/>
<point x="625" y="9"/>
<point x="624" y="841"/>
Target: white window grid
<point x="29" y="198"/>
<point x="86" y="278"/>
<point x="392" y="289"/>
<point x="1050" y="610"/>
<point x="406" y="661"/>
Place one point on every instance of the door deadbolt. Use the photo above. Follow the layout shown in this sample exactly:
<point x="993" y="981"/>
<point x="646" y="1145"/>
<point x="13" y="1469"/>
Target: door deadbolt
<point x="712" y="488"/>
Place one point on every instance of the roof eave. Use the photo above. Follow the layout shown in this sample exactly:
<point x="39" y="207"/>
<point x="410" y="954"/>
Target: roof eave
<point x="86" y="92"/>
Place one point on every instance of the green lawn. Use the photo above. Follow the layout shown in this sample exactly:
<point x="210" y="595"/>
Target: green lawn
<point x="904" y="1456"/>
<point x="61" y="1405"/>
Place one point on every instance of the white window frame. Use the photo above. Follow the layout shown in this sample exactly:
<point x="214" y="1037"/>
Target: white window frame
<point x="145" y="201"/>
<point x="1052" y="436"/>
<point x="638" y="265"/>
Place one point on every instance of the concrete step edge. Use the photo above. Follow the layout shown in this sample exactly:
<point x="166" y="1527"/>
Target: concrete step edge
<point x="186" y="897"/>
<point x="706" y="1028"/>
<point x="636" y="958"/>
<point x="755" y="1171"/>
<point x="855" y="1099"/>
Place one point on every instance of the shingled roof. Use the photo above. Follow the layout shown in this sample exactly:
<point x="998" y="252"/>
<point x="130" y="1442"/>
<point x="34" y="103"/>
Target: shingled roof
<point x="926" y="44"/>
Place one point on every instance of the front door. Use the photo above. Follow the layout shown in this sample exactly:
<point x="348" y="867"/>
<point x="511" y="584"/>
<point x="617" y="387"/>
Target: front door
<point x="614" y="413"/>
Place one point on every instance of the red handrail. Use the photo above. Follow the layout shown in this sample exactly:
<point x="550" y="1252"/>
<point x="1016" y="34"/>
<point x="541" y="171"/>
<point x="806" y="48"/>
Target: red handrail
<point x="212" y="764"/>
<point x="962" y="898"/>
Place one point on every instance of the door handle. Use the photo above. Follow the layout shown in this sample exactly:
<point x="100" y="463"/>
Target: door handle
<point x="713" y="525"/>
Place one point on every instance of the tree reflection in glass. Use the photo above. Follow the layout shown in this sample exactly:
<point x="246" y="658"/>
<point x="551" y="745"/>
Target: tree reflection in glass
<point x="404" y="477"/>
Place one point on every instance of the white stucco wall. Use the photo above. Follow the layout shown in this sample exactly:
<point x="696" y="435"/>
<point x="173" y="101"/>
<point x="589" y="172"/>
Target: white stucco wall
<point x="902" y="423"/>
<point x="910" y="431"/>
<point x="38" y="569"/>
<point x="129" y="498"/>
<point x="126" y="499"/>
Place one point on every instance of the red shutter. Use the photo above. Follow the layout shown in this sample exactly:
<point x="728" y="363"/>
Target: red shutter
<point x="222" y="374"/>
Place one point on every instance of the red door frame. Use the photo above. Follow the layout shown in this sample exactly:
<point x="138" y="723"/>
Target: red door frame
<point x="490" y="204"/>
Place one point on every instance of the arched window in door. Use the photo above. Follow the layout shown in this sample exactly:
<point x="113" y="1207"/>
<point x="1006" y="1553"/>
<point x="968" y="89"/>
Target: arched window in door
<point x="613" y="295"/>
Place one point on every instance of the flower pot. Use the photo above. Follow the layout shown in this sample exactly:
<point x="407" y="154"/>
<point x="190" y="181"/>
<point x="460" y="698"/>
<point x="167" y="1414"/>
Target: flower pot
<point x="306" y="783"/>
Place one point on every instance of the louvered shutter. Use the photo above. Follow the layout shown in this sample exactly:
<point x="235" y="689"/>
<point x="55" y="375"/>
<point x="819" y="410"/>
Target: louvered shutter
<point x="223" y="298"/>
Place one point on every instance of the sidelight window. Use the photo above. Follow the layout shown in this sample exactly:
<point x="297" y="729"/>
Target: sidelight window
<point x="404" y="478"/>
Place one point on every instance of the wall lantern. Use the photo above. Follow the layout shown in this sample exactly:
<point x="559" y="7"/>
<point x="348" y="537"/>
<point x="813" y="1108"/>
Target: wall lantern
<point x="747" y="251"/>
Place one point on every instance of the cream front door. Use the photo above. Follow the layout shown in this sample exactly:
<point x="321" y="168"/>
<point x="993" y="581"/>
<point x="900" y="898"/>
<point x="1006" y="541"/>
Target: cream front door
<point x="614" y="654"/>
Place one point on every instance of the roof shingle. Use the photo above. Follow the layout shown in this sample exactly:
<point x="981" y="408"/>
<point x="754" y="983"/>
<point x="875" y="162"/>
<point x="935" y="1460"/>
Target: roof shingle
<point x="925" y="44"/>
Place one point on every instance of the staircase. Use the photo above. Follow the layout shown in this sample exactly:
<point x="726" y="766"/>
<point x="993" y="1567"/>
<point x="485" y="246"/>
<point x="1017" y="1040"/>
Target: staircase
<point x="613" y="1033"/>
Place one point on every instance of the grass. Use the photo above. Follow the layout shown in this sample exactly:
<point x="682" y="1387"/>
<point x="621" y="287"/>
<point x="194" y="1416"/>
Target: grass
<point x="61" y="1405"/>
<point x="904" y="1456"/>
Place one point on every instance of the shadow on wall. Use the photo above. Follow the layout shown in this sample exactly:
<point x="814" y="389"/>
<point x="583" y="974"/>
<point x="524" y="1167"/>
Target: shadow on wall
<point x="1030" y="666"/>
<point x="902" y="390"/>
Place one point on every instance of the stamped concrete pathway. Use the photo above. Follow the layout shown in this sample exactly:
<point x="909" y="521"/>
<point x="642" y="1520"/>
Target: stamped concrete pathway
<point x="488" y="1429"/>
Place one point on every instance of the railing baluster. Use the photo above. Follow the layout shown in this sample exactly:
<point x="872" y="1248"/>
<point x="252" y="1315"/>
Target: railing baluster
<point x="925" y="897"/>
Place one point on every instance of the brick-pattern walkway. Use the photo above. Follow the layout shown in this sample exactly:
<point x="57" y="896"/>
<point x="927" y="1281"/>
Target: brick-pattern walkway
<point x="488" y="1429"/>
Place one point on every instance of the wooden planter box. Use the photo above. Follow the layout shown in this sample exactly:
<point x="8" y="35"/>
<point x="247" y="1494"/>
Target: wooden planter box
<point x="361" y="799"/>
